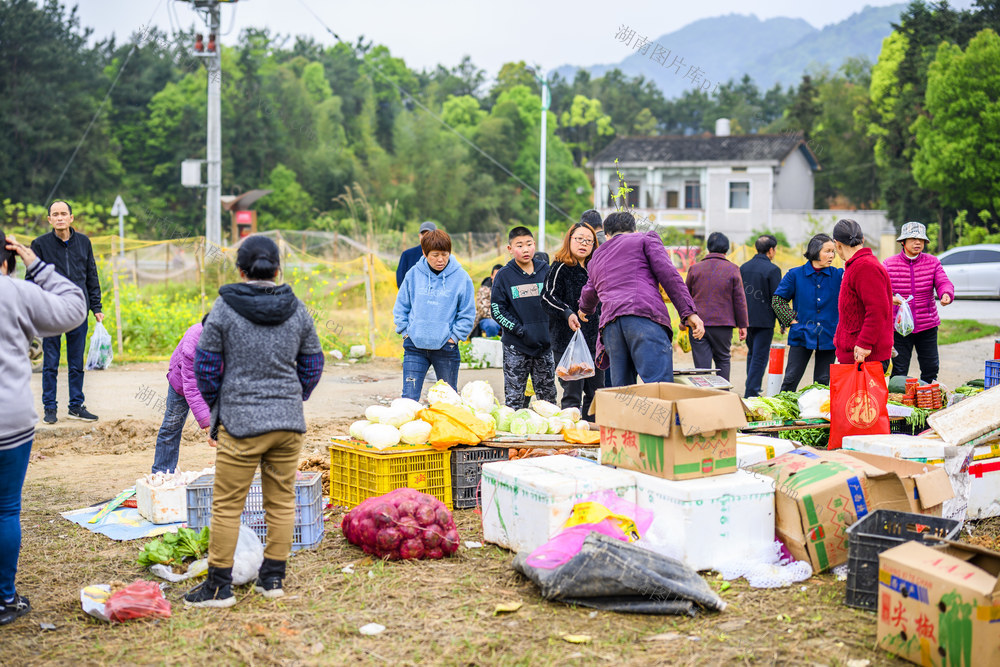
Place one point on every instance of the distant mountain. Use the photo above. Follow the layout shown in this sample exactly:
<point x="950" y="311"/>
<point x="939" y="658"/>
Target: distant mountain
<point x="778" y="50"/>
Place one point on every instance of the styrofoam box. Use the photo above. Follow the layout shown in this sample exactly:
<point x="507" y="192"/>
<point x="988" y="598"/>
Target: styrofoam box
<point x="984" y="473"/>
<point x="754" y="449"/>
<point x="527" y="502"/>
<point x="709" y="521"/>
<point x="161" y="505"/>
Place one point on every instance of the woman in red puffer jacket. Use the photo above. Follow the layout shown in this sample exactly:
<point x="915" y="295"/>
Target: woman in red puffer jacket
<point x="864" y="330"/>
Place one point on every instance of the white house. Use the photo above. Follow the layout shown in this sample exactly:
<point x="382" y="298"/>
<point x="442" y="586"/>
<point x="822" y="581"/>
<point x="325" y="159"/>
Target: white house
<point x="723" y="183"/>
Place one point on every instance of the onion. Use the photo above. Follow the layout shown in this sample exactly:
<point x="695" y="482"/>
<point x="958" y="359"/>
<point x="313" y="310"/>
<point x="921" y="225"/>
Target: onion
<point x="425" y="515"/>
<point x="435" y="553"/>
<point x="388" y="539"/>
<point x="407" y="508"/>
<point x="409" y="527"/>
<point x="443" y="517"/>
<point x="412" y="548"/>
<point x="433" y="536"/>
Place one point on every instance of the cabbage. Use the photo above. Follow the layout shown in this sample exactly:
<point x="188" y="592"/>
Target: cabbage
<point x="375" y="413"/>
<point x="522" y="425"/>
<point x="554" y="425"/>
<point x="544" y="408"/>
<point x="487" y="418"/>
<point x="357" y="428"/>
<point x="583" y="425"/>
<point x="381" y="436"/>
<point x="478" y="396"/>
<point x="415" y="432"/>
<point x="572" y="414"/>
<point x="541" y="423"/>
<point x="396" y="416"/>
<point x="442" y="392"/>
<point x="407" y="405"/>
<point x="567" y="423"/>
<point x="502" y="414"/>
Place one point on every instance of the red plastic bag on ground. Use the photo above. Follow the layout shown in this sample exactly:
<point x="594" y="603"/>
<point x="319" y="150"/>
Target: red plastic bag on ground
<point x="140" y="599"/>
<point x="858" y="396"/>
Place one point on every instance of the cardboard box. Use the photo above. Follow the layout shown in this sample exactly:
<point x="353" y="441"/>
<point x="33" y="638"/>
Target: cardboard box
<point x="819" y="494"/>
<point x="669" y="430"/>
<point x="753" y="449"/>
<point x="940" y="606"/>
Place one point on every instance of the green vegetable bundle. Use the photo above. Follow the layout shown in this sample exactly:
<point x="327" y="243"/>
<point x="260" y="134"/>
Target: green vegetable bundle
<point x="175" y="548"/>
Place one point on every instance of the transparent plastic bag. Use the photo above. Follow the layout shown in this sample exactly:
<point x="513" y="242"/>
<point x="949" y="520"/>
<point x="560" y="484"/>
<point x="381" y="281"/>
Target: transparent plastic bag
<point x="100" y="355"/>
<point x="576" y="362"/>
<point x="904" y="318"/>
<point x="140" y="599"/>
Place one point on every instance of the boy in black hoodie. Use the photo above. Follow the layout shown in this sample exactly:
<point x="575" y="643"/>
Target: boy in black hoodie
<point x="516" y="304"/>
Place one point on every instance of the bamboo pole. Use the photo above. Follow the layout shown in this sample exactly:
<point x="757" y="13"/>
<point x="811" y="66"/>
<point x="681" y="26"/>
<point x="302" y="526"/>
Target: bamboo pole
<point x="166" y="265"/>
<point x="370" y="299"/>
<point x="199" y="260"/>
<point x="118" y="308"/>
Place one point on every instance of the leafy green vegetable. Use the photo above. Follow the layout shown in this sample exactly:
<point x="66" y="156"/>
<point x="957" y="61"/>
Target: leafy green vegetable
<point x="811" y="437"/>
<point x="176" y="547"/>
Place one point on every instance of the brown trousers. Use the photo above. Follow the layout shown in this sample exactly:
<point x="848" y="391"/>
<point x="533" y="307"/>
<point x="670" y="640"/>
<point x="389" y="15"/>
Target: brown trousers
<point x="236" y="461"/>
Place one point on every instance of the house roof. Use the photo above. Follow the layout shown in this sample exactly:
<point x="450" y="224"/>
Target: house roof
<point x="735" y="148"/>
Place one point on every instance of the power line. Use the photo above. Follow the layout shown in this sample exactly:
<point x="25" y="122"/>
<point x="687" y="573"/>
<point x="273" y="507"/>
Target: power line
<point x="406" y="95"/>
<point x="97" y="113"/>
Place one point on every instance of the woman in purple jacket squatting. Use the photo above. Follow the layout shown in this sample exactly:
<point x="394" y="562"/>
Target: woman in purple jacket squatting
<point x="182" y="394"/>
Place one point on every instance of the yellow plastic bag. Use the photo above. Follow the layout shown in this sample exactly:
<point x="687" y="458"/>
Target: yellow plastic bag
<point x="591" y="512"/>
<point x="580" y="437"/>
<point x="684" y="340"/>
<point x="453" y="425"/>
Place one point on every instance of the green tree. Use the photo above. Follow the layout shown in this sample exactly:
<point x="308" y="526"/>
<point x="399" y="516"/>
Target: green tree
<point x="958" y="139"/>
<point x="288" y="206"/>
<point x="586" y="128"/>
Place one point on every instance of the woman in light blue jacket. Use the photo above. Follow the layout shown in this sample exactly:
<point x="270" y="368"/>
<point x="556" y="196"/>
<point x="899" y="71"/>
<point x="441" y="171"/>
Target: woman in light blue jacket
<point x="435" y="308"/>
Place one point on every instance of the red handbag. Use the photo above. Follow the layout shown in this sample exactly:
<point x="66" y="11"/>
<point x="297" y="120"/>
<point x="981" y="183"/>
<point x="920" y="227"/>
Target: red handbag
<point x="858" y="396"/>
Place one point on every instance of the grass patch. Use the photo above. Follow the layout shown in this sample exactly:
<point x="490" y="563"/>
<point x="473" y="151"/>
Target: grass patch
<point x="957" y="331"/>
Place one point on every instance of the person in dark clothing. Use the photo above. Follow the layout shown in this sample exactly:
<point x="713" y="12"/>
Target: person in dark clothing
<point x="760" y="280"/>
<point x="257" y="360"/>
<point x="516" y="302"/>
<point x="717" y="290"/>
<point x="813" y="289"/>
<point x="561" y="298"/>
<point x="411" y="256"/>
<point x="593" y="218"/>
<point x="71" y="254"/>
<point x="485" y="325"/>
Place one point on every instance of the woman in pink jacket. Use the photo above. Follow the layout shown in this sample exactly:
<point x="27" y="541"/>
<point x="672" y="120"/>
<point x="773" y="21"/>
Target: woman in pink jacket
<point x="182" y="394"/>
<point x="917" y="274"/>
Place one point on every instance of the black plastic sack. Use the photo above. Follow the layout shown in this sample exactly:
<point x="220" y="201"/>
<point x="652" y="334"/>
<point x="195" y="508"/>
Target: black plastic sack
<point x="618" y="576"/>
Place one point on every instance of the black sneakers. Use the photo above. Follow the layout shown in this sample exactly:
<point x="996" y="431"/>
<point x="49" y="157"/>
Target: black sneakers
<point x="50" y="417"/>
<point x="82" y="414"/>
<point x="270" y="579"/>
<point x="9" y="611"/>
<point x="216" y="591"/>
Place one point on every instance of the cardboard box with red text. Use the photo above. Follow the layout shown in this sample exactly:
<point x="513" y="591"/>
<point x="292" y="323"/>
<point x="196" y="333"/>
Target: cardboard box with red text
<point x="669" y="430"/>
<point x="940" y="606"/>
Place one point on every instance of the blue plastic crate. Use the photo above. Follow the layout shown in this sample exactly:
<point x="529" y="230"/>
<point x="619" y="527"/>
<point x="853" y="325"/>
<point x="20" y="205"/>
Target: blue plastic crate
<point x="309" y="526"/>
<point x="992" y="373"/>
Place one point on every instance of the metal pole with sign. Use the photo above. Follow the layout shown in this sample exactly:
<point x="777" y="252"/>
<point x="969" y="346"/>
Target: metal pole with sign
<point x="119" y="209"/>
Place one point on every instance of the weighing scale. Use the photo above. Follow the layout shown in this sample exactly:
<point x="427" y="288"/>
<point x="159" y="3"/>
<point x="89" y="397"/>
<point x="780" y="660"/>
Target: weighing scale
<point x="706" y="378"/>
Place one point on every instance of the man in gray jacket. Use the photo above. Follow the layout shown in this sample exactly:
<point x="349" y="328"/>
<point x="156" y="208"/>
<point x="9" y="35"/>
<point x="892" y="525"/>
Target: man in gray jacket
<point x="49" y="307"/>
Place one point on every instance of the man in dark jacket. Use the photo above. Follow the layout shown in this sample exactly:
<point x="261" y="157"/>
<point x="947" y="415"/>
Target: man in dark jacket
<point x="760" y="279"/>
<point x="71" y="253"/>
<point x="717" y="290"/>
<point x="411" y="256"/>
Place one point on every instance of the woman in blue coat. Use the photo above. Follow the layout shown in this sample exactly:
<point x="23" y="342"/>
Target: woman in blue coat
<point x="806" y="301"/>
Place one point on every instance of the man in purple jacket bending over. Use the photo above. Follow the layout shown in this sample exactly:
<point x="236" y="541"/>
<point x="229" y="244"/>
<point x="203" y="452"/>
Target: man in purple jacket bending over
<point x="635" y="330"/>
<point x="916" y="276"/>
<point x="182" y="394"/>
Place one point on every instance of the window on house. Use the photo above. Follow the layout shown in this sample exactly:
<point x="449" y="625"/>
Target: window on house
<point x="672" y="198"/>
<point x="739" y="169"/>
<point x="739" y="194"/>
<point x="692" y="194"/>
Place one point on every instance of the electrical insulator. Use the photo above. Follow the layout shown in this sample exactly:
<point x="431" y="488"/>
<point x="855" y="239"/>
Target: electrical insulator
<point x="211" y="43"/>
<point x="198" y="45"/>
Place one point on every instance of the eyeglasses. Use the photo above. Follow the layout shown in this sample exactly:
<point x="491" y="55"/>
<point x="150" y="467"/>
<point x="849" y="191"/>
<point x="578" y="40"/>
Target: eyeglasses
<point x="582" y="241"/>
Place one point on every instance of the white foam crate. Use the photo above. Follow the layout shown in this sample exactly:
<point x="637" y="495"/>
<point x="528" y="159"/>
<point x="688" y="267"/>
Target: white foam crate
<point x="161" y="505"/>
<point x="709" y="521"/>
<point x="754" y="449"/>
<point x="526" y="502"/>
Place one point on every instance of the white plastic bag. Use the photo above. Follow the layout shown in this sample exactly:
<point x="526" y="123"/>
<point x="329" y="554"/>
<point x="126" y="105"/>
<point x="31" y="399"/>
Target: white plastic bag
<point x="100" y="355"/>
<point x="248" y="557"/>
<point x="576" y="362"/>
<point x="904" y="318"/>
<point x="815" y="404"/>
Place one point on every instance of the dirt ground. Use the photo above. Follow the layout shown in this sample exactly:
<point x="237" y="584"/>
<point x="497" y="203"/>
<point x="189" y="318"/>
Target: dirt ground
<point x="435" y="612"/>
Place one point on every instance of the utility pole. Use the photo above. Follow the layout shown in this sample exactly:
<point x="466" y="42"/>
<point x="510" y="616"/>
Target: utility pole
<point x="541" y="160"/>
<point x="213" y="194"/>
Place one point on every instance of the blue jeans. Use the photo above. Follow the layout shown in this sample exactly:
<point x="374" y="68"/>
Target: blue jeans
<point x="417" y="360"/>
<point x="637" y="345"/>
<point x="489" y="327"/>
<point x="758" y="354"/>
<point x="76" y="341"/>
<point x="168" y="440"/>
<point x="13" y="467"/>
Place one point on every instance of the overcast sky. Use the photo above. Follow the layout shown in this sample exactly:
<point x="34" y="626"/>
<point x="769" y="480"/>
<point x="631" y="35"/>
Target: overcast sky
<point x="432" y="32"/>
